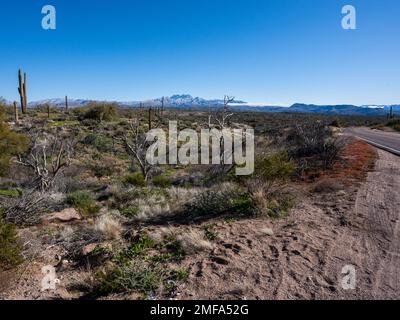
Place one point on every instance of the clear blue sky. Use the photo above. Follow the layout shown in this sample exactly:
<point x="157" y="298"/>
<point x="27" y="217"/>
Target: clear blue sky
<point x="273" y="51"/>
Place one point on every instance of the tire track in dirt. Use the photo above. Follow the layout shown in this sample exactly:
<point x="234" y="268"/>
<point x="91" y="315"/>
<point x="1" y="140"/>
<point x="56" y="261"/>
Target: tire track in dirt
<point x="379" y="200"/>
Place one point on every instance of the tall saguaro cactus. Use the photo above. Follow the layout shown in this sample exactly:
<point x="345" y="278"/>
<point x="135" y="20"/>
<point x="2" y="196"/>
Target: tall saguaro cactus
<point x="150" y="120"/>
<point x="66" y="104"/>
<point x="22" y="91"/>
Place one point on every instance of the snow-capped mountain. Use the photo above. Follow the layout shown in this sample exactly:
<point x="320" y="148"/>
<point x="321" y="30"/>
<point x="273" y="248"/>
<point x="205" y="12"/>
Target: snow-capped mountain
<point x="188" y="101"/>
<point x="183" y="100"/>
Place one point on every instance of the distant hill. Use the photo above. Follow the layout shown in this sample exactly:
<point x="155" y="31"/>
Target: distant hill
<point x="187" y="101"/>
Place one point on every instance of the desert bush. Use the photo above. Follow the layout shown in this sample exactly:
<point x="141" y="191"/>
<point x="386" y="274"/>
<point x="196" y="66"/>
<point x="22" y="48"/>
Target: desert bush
<point x="105" y="166"/>
<point x="395" y="124"/>
<point x="83" y="202"/>
<point x="130" y="212"/>
<point x="11" y="193"/>
<point x="49" y="154"/>
<point x="139" y="267"/>
<point x="314" y="146"/>
<point x="11" y="144"/>
<point x="10" y="248"/>
<point x="161" y="181"/>
<point x="27" y="209"/>
<point x="280" y="206"/>
<point x="136" y="179"/>
<point x="109" y="226"/>
<point x="274" y="170"/>
<point x="99" y="142"/>
<point x="218" y="200"/>
<point x="134" y="276"/>
<point x="101" y="112"/>
<point x="193" y="241"/>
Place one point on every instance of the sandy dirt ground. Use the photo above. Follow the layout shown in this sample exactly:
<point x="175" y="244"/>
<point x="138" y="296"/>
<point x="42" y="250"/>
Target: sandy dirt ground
<point x="304" y="257"/>
<point x="299" y="257"/>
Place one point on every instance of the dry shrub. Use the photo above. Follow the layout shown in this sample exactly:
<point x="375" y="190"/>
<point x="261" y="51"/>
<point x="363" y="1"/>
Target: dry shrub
<point x="27" y="210"/>
<point x="109" y="226"/>
<point x="193" y="241"/>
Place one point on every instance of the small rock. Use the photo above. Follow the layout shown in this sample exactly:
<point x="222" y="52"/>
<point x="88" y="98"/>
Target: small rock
<point x="268" y="231"/>
<point x="67" y="215"/>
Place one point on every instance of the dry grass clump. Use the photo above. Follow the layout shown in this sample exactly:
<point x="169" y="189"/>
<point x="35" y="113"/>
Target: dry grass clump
<point x="192" y="241"/>
<point x="109" y="226"/>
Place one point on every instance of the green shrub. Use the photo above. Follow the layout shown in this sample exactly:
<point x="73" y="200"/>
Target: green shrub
<point x="11" y="144"/>
<point x="130" y="212"/>
<point x="274" y="167"/>
<point x="101" y="112"/>
<point x="99" y="142"/>
<point x="279" y="208"/>
<point x="83" y="202"/>
<point x="10" y="248"/>
<point x="161" y="181"/>
<point x="134" y="276"/>
<point x="216" y="202"/>
<point x="181" y="274"/>
<point x="136" y="179"/>
<point x="395" y="124"/>
<point x="12" y="193"/>
<point x="210" y="233"/>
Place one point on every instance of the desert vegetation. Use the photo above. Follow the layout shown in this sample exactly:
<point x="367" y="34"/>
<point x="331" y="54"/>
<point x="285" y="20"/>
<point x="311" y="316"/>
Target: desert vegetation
<point x="77" y="181"/>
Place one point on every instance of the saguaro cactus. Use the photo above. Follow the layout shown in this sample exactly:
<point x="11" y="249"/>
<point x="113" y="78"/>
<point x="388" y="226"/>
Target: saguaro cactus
<point x="162" y="106"/>
<point x="150" y="119"/>
<point x="22" y="91"/>
<point x="16" y="112"/>
<point x="48" y="110"/>
<point x="66" y="104"/>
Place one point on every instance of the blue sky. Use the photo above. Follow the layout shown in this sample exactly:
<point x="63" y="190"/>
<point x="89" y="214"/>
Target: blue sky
<point x="270" y="51"/>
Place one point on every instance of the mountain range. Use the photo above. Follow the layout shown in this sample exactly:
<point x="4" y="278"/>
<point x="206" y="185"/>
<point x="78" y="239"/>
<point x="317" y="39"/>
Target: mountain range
<point x="186" y="101"/>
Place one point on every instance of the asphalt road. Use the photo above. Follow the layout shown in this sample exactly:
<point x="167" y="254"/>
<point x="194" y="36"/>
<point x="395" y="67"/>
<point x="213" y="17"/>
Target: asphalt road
<point x="389" y="141"/>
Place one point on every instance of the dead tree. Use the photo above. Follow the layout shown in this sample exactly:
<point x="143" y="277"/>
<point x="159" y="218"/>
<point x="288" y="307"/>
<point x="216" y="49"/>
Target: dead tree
<point x="136" y="146"/>
<point x="47" y="157"/>
<point x="220" y="120"/>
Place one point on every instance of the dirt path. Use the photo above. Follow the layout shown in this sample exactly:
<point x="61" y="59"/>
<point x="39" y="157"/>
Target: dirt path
<point x="379" y="201"/>
<point x="304" y="257"/>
